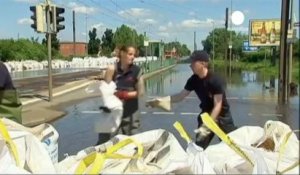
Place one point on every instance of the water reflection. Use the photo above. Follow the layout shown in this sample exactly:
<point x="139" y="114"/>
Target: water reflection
<point x="248" y="76"/>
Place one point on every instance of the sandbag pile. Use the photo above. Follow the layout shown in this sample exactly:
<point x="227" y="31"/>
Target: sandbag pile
<point x="27" y="150"/>
<point x="269" y="150"/>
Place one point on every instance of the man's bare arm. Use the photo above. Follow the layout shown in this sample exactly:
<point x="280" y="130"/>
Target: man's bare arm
<point x="180" y="96"/>
<point x="217" y="106"/>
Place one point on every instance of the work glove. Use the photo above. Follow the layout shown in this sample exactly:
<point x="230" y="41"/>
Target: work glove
<point x="203" y="131"/>
<point x="122" y="95"/>
<point x="160" y="102"/>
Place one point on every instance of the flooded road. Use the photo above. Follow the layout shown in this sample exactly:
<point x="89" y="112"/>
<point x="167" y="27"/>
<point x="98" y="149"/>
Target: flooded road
<point x="251" y="104"/>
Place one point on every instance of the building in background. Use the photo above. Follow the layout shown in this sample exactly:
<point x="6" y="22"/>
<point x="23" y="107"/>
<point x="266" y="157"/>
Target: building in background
<point x="67" y="49"/>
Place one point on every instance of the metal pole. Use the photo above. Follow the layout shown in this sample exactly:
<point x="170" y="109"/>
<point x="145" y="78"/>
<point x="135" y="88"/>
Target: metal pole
<point x="230" y="47"/>
<point x="291" y="45"/>
<point x="49" y="51"/>
<point x="282" y="83"/>
<point x="213" y="45"/>
<point x="86" y="35"/>
<point x="74" y="35"/>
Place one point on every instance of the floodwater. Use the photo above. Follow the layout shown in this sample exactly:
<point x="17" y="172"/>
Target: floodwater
<point x="251" y="104"/>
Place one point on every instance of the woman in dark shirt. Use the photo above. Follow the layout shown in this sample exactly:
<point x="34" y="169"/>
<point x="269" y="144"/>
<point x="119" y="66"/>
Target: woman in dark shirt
<point x="129" y="81"/>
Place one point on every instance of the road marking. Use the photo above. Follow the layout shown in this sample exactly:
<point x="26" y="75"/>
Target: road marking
<point x="143" y="112"/>
<point x="189" y="113"/>
<point x="250" y="98"/>
<point x="233" y="98"/>
<point x="164" y="113"/>
<point x="91" y="112"/>
<point x="266" y="115"/>
<point x="277" y="115"/>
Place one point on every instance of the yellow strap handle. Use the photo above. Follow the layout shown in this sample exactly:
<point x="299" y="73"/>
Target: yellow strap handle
<point x="179" y="127"/>
<point x="211" y="124"/>
<point x="281" y="151"/>
<point x="95" y="161"/>
<point x="11" y="146"/>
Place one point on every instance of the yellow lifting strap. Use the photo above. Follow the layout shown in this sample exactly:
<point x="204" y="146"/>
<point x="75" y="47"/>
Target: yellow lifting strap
<point x="281" y="151"/>
<point x="179" y="127"/>
<point x="94" y="162"/>
<point x="211" y="124"/>
<point x="11" y="145"/>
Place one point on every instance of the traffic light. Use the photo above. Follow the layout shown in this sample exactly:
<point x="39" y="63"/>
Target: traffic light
<point x="38" y="18"/>
<point x="56" y="19"/>
<point x="226" y="19"/>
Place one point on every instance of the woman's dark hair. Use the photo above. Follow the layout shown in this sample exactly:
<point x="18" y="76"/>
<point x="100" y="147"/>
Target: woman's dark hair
<point x="125" y="49"/>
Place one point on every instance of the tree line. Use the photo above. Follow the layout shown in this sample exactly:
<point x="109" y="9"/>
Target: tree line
<point x="25" y="49"/>
<point x="219" y="37"/>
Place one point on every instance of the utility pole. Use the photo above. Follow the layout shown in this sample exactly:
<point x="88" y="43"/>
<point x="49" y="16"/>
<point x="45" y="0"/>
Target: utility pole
<point x="291" y="45"/>
<point x="74" y="35"/>
<point x="282" y="83"/>
<point x="230" y="42"/>
<point x="213" y="23"/>
<point x="226" y="40"/>
<point x="49" y="50"/>
<point x="86" y="35"/>
<point x="195" y="45"/>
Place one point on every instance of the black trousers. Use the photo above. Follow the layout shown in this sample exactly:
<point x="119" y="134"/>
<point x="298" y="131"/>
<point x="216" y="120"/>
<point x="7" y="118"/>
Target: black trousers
<point x="225" y="122"/>
<point x="129" y="126"/>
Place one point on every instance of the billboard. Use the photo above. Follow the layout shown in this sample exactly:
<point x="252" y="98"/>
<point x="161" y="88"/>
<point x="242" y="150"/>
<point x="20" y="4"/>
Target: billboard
<point x="264" y="32"/>
<point x="248" y="48"/>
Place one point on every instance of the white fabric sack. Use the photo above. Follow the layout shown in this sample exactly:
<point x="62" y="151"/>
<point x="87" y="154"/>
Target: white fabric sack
<point x="163" y="103"/>
<point x="162" y="154"/>
<point x="198" y="160"/>
<point x="109" y="99"/>
<point x="32" y="154"/>
<point x="109" y="122"/>
<point x="45" y="132"/>
<point x="226" y="161"/>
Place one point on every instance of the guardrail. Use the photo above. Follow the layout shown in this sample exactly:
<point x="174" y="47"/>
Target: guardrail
<point x="151" y="66"/>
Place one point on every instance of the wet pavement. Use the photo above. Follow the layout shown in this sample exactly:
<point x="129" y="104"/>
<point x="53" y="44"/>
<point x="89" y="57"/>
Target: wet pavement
<point x="250" y="105"/>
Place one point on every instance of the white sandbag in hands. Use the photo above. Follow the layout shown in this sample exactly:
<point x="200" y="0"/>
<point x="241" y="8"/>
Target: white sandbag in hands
<point x="160" y="102"/>
<point x="110" y="121"/>
<point x="107" y="91"/>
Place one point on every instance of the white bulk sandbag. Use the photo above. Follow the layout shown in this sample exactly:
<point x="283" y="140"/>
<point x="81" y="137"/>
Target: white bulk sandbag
<point x="198" y="160"/>
<point x="161" y="154"/>
<point x="32" y="155"/>
<point x="45" y="132"/>
<point x="226" y="161"/>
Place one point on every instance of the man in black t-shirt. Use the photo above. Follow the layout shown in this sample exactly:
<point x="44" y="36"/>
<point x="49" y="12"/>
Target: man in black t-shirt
<point x="210" y="90"/>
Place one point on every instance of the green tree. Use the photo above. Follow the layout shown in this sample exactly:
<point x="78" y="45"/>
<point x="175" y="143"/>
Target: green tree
<point x="181" y="49"/>
<point x="22" y="49"/>
<point x="126" y="36"/>
<point x="107" y="45"/>
<point x="54" y="42"/>
<point x="94" y="42"/>
<point x="219" y="36"/>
